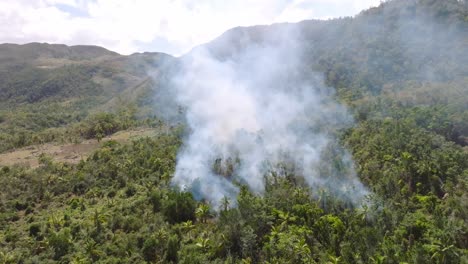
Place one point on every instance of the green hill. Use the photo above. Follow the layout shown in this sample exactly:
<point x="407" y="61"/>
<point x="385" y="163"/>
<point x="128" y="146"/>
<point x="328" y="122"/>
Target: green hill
<point x="45" y="89"/>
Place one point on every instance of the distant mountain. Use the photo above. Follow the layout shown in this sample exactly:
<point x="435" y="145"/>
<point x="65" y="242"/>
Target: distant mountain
<point x="11" y="54"/>
<point x="34" y="72"/>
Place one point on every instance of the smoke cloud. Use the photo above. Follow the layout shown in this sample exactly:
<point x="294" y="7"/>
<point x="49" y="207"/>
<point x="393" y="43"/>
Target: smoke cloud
<point x="259" y="113"/>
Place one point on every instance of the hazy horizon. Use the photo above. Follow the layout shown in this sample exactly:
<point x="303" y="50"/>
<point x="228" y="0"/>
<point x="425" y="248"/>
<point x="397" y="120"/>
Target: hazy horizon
<point x="172" y="27"/>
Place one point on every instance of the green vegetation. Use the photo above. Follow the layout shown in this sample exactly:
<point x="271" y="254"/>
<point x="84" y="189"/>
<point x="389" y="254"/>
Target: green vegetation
<point x="118" y="207"/>
<point x="54" y="122"/>
<point x="55" y="93"/>
<point x="409" y="145"/>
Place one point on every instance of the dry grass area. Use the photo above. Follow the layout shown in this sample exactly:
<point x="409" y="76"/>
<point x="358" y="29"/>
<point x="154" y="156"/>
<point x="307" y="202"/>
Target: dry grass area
<point x="71" y="153"/>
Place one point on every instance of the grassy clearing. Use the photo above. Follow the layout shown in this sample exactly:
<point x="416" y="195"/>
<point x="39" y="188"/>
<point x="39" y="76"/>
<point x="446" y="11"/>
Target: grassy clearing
<point x="70" y="153"/>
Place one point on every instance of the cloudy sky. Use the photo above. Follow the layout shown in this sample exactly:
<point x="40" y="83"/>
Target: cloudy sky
<point x="172" y="26"/>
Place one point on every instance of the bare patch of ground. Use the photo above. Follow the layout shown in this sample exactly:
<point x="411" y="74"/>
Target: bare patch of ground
<point x="70" y="153"/>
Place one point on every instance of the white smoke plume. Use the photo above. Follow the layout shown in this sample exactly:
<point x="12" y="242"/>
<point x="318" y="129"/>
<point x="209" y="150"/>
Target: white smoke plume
<point x="251" y="114"/>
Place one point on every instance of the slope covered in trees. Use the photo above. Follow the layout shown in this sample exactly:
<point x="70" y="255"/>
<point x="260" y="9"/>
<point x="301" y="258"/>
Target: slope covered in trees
<point x="403" y="53"/>
<point x="55" y="92"/>
<point x="401" y="68"/>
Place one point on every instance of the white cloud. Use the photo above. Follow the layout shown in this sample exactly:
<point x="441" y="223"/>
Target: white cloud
<point x="173" y="26"/>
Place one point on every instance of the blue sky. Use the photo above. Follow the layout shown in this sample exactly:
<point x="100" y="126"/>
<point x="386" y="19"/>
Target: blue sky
<point x="171" y="26"/>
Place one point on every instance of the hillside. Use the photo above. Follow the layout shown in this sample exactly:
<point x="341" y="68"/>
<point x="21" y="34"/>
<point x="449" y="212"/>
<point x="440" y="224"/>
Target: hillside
<point x="34" y="72"/>
<point x="48" y="88"/>
<point x="399" y="70"/>
<point x="408" y="54"/>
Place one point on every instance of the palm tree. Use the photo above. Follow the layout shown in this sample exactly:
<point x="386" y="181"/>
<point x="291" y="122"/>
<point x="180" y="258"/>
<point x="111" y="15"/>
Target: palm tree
<point x="202" y="212"/>
<point x="6" y="258"/>
<point x="188" y="225"/>
<point x="91" y="248"/>
<point x="333" y="260"/>
<point x="56" y="221"/>
<point x="285" y="218"/>
<point x="203" y="244"/>
<point x="441" y="252"/>
<point x="378" y="259"/>
<point x="302" y="249"/>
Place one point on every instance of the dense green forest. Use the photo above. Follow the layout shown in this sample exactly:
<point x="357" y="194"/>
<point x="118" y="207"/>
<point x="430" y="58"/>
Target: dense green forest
<point x="402" y="70"/>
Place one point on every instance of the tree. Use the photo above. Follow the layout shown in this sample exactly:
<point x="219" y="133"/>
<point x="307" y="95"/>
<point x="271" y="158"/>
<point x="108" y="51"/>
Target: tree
<point x="179" y="207"/>
<point x="203" y="212"/>
<point x="61" y="243"/>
